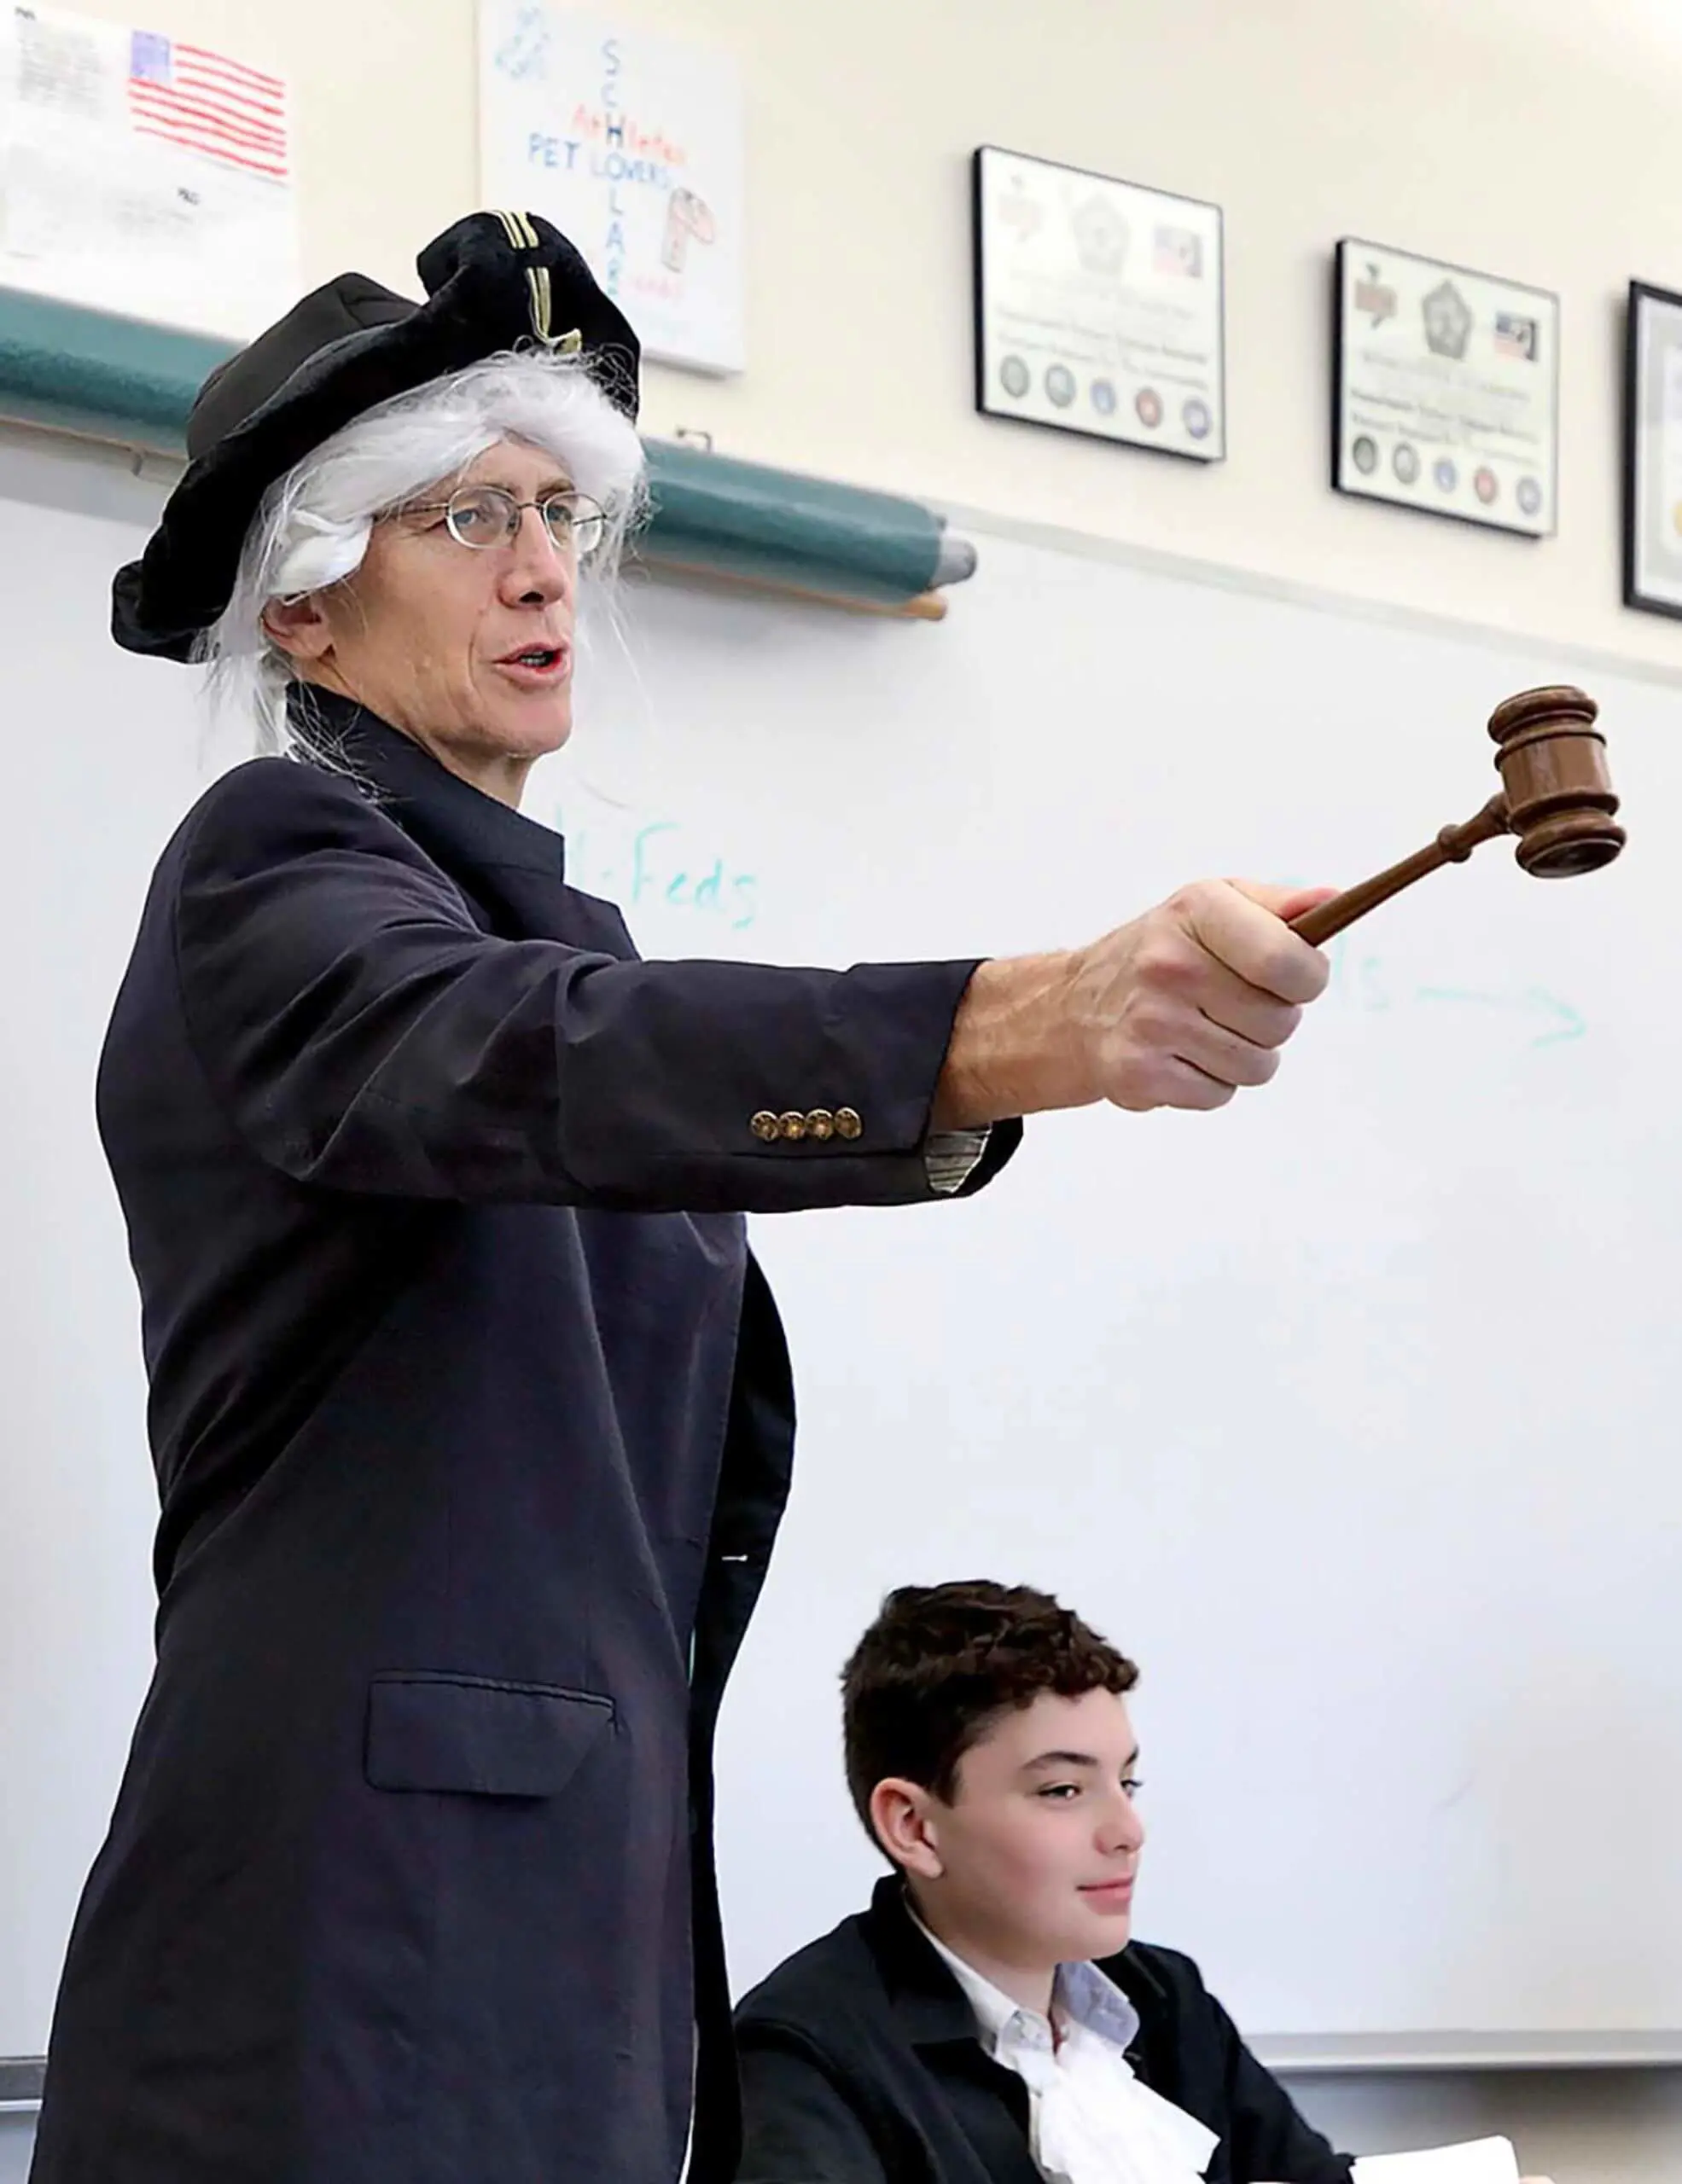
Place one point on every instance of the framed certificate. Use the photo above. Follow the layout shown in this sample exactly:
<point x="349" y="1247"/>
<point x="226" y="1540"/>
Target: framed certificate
<point x="1444" y="390"/>
<point x="1098" y="306"/>
<point x="1653" y="450"/>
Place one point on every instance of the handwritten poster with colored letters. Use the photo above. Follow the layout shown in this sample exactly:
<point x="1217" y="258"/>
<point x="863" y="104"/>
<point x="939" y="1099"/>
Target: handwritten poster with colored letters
<point x="632" y="145"/>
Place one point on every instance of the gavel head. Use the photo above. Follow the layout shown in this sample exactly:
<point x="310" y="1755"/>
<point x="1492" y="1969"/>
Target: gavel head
<point x="1559" y="793"/>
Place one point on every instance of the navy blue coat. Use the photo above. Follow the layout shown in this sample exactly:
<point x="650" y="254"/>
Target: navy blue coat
<point x="472" y="1419"/>
<point x="861" y="2065"/>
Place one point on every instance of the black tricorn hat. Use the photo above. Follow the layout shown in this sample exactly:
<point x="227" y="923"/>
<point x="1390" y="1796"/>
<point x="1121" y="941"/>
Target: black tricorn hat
<point x="493" y="282"/>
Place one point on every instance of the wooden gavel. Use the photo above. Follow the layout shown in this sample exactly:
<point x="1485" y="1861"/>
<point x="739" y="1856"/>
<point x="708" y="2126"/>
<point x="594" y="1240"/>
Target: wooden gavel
<point x="1556" y="796"/>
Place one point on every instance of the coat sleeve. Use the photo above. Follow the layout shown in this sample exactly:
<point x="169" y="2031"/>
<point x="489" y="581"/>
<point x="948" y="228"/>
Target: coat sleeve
<point x="362" y="1033"/>
<point x="1271" y="2142"/>
<point x="798" y="2127"/>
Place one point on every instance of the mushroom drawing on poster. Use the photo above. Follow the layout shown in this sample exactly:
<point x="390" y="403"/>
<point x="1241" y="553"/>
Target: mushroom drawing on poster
<point x="632" y="145"/>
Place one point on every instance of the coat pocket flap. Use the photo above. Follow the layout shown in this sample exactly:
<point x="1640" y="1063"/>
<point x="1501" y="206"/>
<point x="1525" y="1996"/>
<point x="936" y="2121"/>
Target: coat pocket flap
<point x="469" y="1734"/>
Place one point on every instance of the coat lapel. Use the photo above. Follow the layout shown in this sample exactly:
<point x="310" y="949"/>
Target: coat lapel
<point x="989" y="2103"/>
<point x="512" y="869"/>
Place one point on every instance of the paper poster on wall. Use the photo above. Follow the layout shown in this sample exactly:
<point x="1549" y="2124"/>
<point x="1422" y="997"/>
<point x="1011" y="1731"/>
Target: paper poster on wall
<point x="144" y="175"/>
<point x="1446" y="390"/>
<point x="632" y="145"/>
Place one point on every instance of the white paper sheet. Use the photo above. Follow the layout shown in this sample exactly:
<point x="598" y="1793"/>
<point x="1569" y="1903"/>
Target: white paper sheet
<point x="632" y="145"/>
<point x="1480" y="2161"/>
<point x="143" y="175"/>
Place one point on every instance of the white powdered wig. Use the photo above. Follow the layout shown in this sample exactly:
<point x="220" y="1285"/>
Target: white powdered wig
<point x="313" y="526"/>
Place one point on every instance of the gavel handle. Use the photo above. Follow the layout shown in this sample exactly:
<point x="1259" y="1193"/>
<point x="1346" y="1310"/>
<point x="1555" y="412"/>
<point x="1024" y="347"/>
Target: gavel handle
<point x="1453" y="845"/>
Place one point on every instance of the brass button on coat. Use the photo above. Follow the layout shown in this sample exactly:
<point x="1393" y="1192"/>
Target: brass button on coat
<point x="847" y="1121"/>
<point x="820" y="1124"/>
<point x="791" y="1126"/>
<point x="764" y="1126"/>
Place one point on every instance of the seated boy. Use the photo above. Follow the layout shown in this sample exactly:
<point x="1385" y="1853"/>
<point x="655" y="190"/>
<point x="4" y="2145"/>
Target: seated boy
<point x="989" y="2020"/>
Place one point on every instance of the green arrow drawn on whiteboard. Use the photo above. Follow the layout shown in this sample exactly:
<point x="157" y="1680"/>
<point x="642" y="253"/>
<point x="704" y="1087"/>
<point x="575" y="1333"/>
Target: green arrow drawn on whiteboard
<point x="1558" y="1021"/>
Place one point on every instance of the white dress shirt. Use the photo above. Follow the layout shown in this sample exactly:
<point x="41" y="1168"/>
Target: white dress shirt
<point x="1090" y="2120"/>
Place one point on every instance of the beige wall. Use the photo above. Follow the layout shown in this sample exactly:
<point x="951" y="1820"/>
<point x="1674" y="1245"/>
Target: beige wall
<point x="1530" y="137"/>
<point x="1523" y="136"/>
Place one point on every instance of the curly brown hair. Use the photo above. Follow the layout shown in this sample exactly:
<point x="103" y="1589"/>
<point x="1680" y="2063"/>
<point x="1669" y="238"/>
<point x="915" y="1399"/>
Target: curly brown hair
<point x="941" y="1662"/>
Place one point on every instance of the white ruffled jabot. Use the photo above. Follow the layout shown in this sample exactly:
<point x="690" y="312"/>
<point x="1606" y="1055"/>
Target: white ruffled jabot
<point x="1090" y="2120"/>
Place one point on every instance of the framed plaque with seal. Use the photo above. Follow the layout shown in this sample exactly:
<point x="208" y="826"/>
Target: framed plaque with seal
<point x="1098" y="306"/>
<point x="1653" y="450"/>
<point x="1444" y="390"/>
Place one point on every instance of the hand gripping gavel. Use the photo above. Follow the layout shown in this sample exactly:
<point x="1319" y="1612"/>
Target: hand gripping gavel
<point x="1556" y="796"/>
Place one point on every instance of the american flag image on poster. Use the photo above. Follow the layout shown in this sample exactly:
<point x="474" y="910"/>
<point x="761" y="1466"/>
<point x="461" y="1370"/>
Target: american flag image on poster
<point x="1178" y="250"/>
<point x="204" y="103"/>
<point x="1515" y="336"/>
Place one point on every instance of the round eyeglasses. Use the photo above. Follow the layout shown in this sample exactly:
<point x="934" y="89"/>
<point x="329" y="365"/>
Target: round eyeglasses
<point x="486" y="515"/>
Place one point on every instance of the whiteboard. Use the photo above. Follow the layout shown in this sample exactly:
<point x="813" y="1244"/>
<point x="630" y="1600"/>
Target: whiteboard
<point x="1347" y="1412"/>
